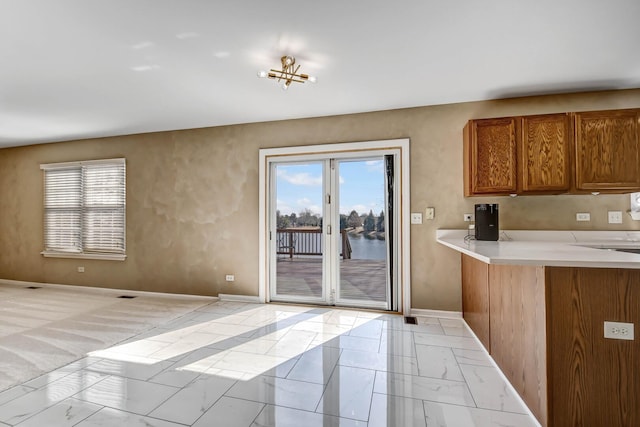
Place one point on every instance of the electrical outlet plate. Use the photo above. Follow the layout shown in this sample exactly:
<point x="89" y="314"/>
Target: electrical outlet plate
<point x="230" y="278"/>
<point x="615" y="217"/>
<point x="416" y="218"/>
<point x="80" y="269"/>
<point x="468" y="217"/>
<point x="618" y="331"/>
<point x="583" y="216"/>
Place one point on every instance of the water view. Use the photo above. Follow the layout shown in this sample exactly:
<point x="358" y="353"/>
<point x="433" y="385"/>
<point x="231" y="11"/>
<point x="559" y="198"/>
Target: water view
<point x="365" y="248"/>
<point x="307" y="242"/>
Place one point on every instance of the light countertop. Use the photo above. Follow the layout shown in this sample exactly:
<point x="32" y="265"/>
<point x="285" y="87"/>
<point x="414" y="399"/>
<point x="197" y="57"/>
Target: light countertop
<point x="550" y="248"/>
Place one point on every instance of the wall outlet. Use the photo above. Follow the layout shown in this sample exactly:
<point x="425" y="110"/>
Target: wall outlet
<point x="430" y="213"/>
<point x="80" y="269"/>
<point x="468" y="217"/>
<point x="618" y="331"/>
<point x="230" y="278"/>
<point x="615" y="217"/>
<point x="583" y="216"/>
<point x="416" y="218"/>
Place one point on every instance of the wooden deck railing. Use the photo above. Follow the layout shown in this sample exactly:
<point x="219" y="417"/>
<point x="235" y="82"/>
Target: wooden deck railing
<point x="294" y="241"/>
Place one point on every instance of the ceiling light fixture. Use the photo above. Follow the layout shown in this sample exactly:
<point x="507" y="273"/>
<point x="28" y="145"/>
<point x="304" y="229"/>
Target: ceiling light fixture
<point x="288" y="74"/>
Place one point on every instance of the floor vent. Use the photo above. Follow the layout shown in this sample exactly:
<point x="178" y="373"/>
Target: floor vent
<point x="126" y="296"/>
<point x="411" y="320"/>
<point x="34" y="287"/>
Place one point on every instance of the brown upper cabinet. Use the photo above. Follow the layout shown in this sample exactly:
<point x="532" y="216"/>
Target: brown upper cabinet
<point x="518" y="155"/>
<point x="490" y="156"/>
<point x="595" y="151"/>
<point x="608" y="151"/>
<point x="545" y="154"/>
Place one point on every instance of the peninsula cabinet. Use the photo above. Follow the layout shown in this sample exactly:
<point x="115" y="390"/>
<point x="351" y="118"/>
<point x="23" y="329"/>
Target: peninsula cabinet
<point x="544" y="328"/>
<point x="475" y="298"/>
<point x="608" y="151"/>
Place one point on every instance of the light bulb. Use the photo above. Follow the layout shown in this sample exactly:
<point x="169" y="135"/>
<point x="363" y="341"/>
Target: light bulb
<point x="262" y="74"/>
<point x="313" y="79"/>
<point x="285" y="85"/>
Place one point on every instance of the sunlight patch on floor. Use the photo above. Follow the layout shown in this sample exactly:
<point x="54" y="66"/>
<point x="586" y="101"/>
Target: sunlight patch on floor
<point x="282" y="335"/>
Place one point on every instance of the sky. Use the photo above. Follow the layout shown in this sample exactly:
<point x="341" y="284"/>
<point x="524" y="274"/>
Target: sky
<point x="299" y="187"/>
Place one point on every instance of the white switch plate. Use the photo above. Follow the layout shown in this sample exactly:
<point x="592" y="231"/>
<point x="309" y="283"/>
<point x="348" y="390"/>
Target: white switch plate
<point x="583" y="216"/>
<point x="430" y="213"/>
<point x="80" y="269"/>
<point x="230" y="278"/>
<point x="618" y="331"/>
<point x="416" y="218"/>
<point x="615" y="217"/>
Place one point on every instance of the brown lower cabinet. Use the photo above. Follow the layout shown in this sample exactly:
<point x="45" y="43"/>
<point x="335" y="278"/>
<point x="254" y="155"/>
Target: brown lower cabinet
<point x="544" y="328"/>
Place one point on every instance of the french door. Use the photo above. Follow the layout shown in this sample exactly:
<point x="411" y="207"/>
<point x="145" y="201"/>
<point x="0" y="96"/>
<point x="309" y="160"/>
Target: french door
<point x="332" y="227"/>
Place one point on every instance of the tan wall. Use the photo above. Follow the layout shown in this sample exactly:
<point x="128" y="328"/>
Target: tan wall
<point x="192" y="212"/>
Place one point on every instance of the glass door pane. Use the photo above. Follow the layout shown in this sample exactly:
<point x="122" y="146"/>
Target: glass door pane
<point x="298" y="245"/>
<point x="362" y="244"/>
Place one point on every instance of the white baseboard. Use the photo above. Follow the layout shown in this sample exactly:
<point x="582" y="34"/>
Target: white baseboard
<point x="436" y="313"/>
<point x="239" y="298"/>
<point x="105" y="290"/>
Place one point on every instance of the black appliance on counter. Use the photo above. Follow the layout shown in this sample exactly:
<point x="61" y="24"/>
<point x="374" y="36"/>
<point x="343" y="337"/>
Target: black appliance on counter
<point x="487" y="221"/>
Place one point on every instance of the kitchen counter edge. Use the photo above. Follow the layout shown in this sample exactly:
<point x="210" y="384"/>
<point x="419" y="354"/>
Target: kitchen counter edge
<point x="566" y="248"/>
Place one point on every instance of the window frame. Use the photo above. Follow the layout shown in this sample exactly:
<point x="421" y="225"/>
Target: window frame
<point x="85" y="255"/>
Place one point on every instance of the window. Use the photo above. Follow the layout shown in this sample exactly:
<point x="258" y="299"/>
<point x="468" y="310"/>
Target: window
<point x="84" y="209"/>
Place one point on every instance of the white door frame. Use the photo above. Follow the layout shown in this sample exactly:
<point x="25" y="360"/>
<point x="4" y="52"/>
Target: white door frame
<point x="334" y="150"/>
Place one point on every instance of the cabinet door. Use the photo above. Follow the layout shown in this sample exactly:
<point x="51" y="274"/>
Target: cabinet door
<point x="475" y="297"/>
<point x="490" y="156"/>
<point x="545" y="162"/>
<point x="608" y="151"/>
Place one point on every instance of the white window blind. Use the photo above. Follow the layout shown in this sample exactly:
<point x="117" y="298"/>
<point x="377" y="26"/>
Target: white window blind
<point x="85" y="208"/>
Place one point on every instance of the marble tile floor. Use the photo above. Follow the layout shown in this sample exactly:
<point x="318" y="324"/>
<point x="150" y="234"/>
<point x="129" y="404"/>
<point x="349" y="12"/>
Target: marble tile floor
<point x="45" y="327"/>
<point x="234" y="364"/>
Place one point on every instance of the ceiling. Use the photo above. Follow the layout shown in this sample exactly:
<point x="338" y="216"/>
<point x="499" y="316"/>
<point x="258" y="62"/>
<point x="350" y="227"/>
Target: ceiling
<point x="73" y="69"/>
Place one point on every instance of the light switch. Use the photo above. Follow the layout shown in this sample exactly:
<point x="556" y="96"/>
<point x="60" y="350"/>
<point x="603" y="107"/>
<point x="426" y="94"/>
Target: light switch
<point x="416" y="218"/>
<point x="430" y="213"/>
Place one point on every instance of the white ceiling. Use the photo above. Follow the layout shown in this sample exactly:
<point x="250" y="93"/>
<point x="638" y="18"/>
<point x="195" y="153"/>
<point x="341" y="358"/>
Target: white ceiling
<point x="74" y="69"/>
